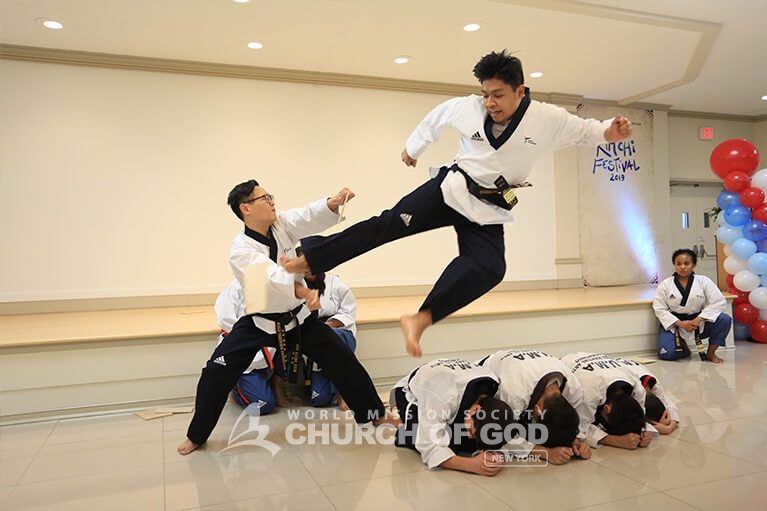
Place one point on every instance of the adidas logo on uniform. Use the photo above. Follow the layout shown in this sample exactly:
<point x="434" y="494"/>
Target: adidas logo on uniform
<point x="406" y="219"/>
<point x="315" y="394"/>
<point x="663" y="351"/>
<point x="476" y="136"/>
<point x="220" y="360"/>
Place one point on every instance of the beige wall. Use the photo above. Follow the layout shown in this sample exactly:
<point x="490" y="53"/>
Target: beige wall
<point x="113" y="182"/>
<point x="689" y="156"/>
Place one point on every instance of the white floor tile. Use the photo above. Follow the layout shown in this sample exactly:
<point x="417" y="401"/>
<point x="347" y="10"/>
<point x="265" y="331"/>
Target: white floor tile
<point x="717" y="459"/>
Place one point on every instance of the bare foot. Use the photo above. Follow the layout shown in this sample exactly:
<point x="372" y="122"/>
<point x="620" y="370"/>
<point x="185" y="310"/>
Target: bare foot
<point x="279" y="392"/>
<point x="711" y="355"/>
<point x="413" y="327"/>
<point x="341" y="403"/>
<point x="388" y="419"/>
<point x="297" y="265"/>
<point x="186" y="447"/>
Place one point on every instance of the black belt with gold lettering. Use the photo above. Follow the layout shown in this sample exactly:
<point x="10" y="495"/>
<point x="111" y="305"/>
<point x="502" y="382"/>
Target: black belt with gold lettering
<point x="281" y="320"/>
<point x="494" y="196"/>
<point x="678" y="338"/>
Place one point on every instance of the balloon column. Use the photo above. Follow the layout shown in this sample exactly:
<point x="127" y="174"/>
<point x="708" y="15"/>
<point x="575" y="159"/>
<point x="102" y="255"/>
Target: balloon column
<point x="743" y="231"/>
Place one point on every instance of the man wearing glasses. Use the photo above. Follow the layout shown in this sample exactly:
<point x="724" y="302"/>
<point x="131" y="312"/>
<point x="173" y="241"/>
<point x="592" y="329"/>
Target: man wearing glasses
<point x="286" y="317"/>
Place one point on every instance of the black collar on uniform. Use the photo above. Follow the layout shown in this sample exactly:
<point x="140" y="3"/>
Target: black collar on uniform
<point x="516" y="118"/>
<point x="684" y="290"/>
<point x="269" y="241"/>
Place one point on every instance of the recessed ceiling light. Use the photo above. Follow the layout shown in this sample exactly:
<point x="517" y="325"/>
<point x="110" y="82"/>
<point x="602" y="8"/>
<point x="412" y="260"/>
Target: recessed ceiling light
<point x="403" y="59"/>
<point x="242" y="1"/>
<point x="52" y="24"/>
<point x="255" y="46"/>
<point x="536" y="74"/>
<point x="471" y="27"/>
<point x="764" y="98"/>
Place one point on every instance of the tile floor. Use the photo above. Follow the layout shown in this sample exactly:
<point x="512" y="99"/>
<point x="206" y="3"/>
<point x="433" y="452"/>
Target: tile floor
<point x="717" y="459"/>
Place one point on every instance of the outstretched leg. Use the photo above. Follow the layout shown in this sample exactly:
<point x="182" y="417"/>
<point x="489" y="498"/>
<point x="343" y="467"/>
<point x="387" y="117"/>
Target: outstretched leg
<point x="421" y="210"/>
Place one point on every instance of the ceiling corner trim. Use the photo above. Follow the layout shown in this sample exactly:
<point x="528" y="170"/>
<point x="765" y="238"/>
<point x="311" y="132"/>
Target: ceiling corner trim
<point x="707" y="34"/>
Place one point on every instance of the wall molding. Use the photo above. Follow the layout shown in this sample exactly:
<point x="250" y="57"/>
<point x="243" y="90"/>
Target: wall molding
<point x="138" y="63"/>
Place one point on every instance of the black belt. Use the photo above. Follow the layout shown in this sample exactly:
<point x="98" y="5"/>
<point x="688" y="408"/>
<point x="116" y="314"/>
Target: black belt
<point x="503" y="197"/>
<point x="280" y="321"/>
<point x="680" y="344"/>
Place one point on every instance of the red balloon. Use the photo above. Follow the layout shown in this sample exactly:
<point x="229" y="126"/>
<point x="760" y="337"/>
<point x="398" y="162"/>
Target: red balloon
<point x="740" y="296"/>
<point x="737" y="181"/>
<point x="758" y="331"/>
<point x="733" y="155"/>
<point x="745" y="313"/>
<point x="730" y="279"/>
<point x="751" y="197"/>
<point x="760" y="213"/>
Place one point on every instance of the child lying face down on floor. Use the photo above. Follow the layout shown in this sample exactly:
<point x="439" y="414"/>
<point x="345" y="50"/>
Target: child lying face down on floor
<point x="449" y="412"/>
<point x="660" y="410"/>
<point x="540" y="389"/>
<point x="613" y="401"/>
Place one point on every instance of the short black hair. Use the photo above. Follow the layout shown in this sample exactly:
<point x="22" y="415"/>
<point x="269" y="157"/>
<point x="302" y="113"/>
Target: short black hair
<point x="653" y="407"/>
<point x="626" y="415"/>
<point x="560" y="420"/>
<point x="684" y="251"/>
<point x="238" y="194"/>
<point x="491" y="422"/>
<point x="502" y="66"/>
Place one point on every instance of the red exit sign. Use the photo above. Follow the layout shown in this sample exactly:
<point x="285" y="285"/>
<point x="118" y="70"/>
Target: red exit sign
<point x="706" y="133"/>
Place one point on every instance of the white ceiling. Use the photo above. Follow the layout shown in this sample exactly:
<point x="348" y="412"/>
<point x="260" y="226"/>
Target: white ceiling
<point x="688" y="55"/>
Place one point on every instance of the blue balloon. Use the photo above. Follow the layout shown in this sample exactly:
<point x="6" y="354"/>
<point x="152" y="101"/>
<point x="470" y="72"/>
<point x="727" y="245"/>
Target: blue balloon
<point x="737" y="215"/>
<point x="763" y="280"/>
<point x="739" y="330"/>
<point x="755" y="230"/>
<point x="743" y="248"/>
<point x="727" y="199"/>
<point x="761" y="245"/>
<point x="757" y="263"/>
<point x="727" y="234"/>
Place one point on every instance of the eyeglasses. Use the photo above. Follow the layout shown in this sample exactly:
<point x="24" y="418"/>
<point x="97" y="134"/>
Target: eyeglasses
<point x="267" y="197"/>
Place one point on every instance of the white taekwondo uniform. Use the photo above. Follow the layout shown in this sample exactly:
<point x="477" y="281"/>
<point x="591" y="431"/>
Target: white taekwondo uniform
<point x="596" y="372"/>
<point x="641" y="372"/>
<point x="439" y="390"/>
<point x="543" y="129"/>
<point x="524" y="375"/>
<point x="704" y="299"/>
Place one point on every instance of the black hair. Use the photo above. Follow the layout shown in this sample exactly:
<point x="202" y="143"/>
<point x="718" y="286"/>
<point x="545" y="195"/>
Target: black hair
<point x="626" y="415"/>
<point x="653" y="407"/>
<point x="318" y="282"/>
<point x="238" y="194"/>
<point x="560" y="420"/>
<point x="685" y="251"/>
<point x="491" y="422"/>
<point x="502" y="66"/>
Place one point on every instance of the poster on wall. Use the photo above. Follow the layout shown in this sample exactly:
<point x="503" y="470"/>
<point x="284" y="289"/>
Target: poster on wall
<point x="616" y="197"/>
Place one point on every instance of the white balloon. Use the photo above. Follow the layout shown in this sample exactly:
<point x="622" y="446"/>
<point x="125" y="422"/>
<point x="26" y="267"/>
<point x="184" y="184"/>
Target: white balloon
<point x="759" y="179"/>
<point x="758" y="298"/>
<point x="728" y="250"/>
<point x="746" y="280"/>
<point x="734" y="264"/>
<point x="763" y="314"/>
